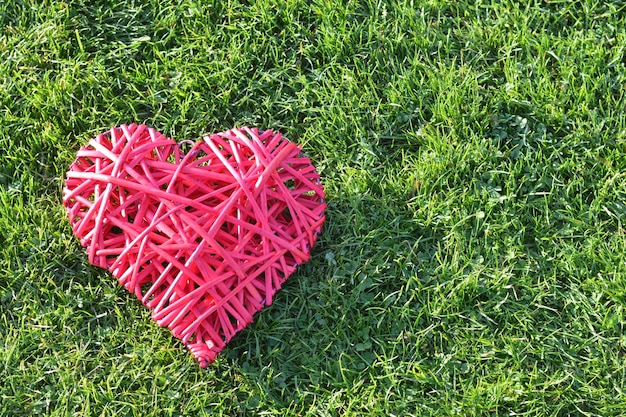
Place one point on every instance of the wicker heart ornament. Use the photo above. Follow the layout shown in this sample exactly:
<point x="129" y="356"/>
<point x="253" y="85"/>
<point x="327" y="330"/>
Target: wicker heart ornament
<point x="203" y="238"/>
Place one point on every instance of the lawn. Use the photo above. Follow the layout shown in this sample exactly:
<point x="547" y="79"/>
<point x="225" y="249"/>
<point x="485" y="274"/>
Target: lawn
<point x="473" y="261"/>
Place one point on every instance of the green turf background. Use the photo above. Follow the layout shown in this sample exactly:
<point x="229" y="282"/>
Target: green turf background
<point x="474" y="157"/>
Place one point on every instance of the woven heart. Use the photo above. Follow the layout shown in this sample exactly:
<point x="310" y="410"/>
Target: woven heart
<point x="203" y="238"/>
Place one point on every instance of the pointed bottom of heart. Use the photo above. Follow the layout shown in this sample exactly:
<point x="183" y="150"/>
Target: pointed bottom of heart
<point x="203" y="237"/>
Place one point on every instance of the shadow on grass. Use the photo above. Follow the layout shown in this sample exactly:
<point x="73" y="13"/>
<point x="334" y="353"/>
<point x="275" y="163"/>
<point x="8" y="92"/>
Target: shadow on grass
<point x="344" y="319"/>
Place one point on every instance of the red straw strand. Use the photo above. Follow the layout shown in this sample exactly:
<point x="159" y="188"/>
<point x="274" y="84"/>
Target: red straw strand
<point x="205" y="238"/>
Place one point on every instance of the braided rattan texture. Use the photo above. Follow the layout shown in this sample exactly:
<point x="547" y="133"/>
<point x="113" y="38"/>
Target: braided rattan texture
<point x="204" y="238"/>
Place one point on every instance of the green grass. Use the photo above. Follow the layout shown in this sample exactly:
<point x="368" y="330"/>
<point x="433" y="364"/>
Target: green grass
<point x="474" y="156"/>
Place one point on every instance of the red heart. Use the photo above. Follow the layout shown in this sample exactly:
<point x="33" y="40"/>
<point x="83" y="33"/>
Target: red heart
<point x="205" y="238"/>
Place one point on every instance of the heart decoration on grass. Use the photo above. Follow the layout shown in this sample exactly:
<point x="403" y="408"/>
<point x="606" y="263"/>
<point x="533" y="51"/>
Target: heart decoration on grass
<point x="203" y="238"/>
